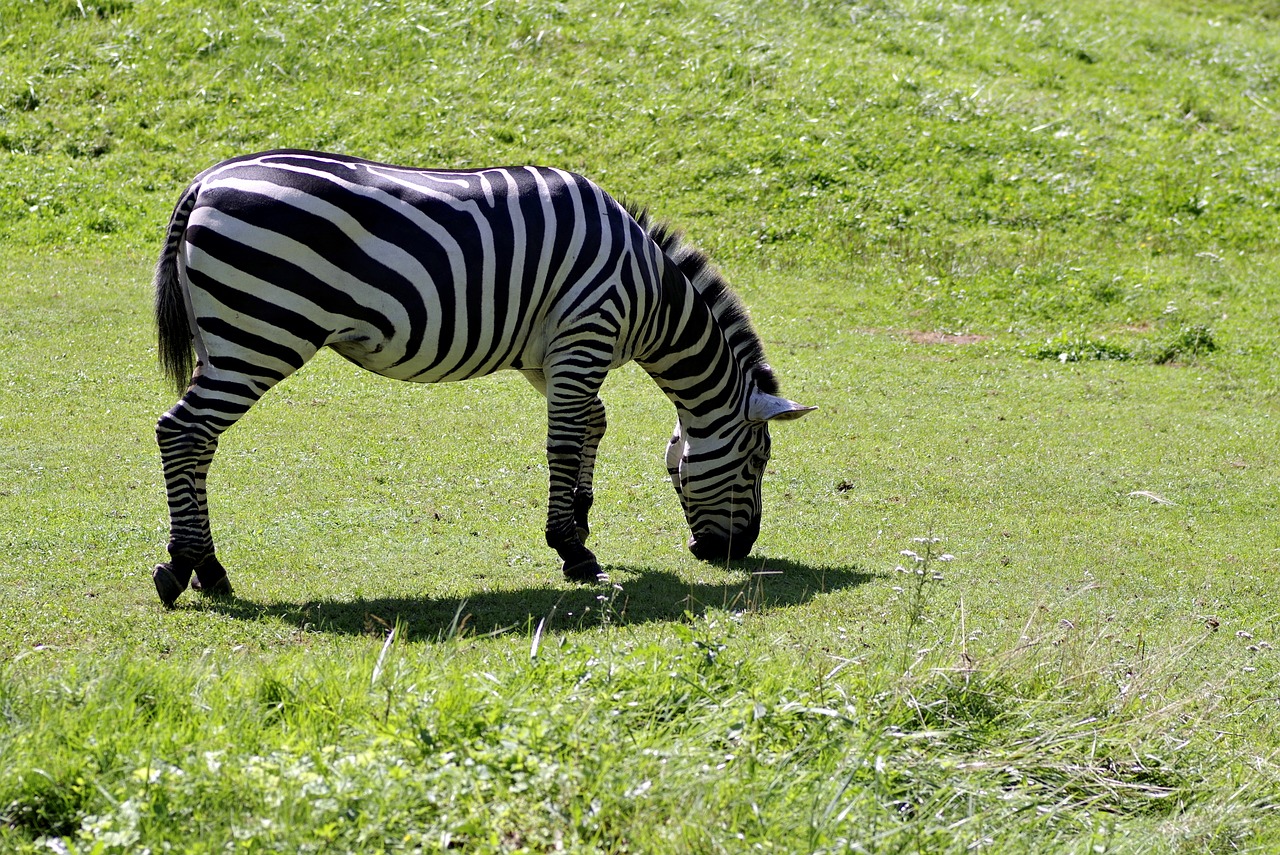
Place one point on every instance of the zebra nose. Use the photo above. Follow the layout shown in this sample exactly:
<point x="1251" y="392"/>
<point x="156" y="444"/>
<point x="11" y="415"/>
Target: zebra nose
<point x="714" y="546"/>
<point x="709" y="547"/>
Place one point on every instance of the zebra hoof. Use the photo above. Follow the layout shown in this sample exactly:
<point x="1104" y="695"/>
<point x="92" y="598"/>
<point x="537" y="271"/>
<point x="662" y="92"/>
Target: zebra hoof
<point x="220" y="588"/>
<point x="211" y="579"/>
<point x="167" y="584"/>
<point x="587" y="571"/>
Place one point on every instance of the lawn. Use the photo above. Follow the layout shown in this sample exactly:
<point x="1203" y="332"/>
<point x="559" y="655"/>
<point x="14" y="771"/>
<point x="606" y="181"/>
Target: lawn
<point x="1016" y="586"/>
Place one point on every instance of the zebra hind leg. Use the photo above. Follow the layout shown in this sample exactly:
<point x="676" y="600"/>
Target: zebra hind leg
<point x="188" y="437"/>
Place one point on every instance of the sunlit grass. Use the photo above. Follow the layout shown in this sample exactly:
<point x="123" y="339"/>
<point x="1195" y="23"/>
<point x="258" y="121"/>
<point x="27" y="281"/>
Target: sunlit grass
<point x="710" y="738"/>
<point x="1021" y="259"/>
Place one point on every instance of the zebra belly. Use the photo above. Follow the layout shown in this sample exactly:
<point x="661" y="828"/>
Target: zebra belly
<point x="371" y="357"/>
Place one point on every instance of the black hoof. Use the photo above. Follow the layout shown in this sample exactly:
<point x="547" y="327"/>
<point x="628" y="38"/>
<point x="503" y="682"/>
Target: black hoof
<point x="220" y="588"/>
<point x="587" y="571"/>
<point x="167" y="584"/>
<point x="211" y="578"/>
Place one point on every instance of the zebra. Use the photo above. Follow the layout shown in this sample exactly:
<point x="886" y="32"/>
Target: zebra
<point x="429" y="275"/>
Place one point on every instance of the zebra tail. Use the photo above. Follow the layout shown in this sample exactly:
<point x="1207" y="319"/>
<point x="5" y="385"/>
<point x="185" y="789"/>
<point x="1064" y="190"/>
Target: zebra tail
<point x="177" y="357"/>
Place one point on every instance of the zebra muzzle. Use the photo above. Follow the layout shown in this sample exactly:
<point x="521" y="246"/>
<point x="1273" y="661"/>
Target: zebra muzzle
<point x="714" y="546"/>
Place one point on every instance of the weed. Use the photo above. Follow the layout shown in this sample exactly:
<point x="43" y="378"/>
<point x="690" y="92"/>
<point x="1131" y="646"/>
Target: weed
<point x="1076" y="348"/>
<point x="709" y="736"/>
<point x="1182" y="344"/>
<point x="922" y="578"/>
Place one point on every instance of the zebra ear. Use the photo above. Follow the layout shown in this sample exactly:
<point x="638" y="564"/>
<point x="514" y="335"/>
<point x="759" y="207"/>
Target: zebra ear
<point x="765" y="407"/>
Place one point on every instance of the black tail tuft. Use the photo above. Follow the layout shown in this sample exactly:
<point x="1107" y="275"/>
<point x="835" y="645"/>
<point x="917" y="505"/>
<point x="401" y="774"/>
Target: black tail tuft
<point x="177" y="358"/>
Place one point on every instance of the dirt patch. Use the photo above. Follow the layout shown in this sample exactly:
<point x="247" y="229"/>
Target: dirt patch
<point x="921" y="337"/>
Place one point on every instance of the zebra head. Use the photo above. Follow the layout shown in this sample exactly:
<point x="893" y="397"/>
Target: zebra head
<point x="717" y="475"/>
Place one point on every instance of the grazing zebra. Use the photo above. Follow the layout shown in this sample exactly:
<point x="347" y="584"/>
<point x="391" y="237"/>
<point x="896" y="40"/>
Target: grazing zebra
<point x="433" y="275"/>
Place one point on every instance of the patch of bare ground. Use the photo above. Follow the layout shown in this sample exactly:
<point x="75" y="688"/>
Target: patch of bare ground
<point x="930" y="337"/>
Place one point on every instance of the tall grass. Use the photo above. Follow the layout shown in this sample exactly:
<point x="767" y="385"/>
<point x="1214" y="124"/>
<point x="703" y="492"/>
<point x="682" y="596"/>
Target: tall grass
<point x="707" y="741"/>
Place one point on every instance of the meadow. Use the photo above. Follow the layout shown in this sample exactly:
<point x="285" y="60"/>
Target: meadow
<point x="1017" y="581"/>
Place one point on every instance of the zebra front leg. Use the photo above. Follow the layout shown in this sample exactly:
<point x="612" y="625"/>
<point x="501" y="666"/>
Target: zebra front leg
<point x="565" y="507"/>
<point x="575" y="422"/>
<point x="187" y="445"/>
<point x="583" y="495"/>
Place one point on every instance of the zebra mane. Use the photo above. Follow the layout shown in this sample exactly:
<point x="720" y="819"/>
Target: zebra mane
<point x="709" y="282"/>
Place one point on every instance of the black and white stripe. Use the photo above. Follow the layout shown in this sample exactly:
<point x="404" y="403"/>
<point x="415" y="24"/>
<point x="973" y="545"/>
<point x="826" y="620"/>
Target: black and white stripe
<point x="433" y="275"/>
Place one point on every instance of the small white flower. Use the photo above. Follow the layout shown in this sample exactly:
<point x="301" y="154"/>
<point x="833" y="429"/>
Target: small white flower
<point x="913" y="556"/>
<point x="946" y="556"/>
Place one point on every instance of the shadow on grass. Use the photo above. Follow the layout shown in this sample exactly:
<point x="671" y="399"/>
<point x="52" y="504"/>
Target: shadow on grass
<point x="640" y="596"/>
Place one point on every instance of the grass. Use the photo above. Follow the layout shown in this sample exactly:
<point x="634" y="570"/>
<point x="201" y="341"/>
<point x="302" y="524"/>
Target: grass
<point x="1020" y="257"/>
<point x="694" y="744"/>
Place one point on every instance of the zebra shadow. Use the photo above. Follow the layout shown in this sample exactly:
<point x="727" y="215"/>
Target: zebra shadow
<point x="634" y="597"/>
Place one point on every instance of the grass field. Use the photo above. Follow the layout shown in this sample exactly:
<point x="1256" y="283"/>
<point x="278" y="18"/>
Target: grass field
<point x="1017" y="585"/>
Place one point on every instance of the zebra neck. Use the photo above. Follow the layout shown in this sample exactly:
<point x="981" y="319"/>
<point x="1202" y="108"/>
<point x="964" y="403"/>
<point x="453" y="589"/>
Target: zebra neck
<point x="694" y="364"/>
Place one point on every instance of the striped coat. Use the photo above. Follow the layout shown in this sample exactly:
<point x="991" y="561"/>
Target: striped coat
<point x="434" y="275"/>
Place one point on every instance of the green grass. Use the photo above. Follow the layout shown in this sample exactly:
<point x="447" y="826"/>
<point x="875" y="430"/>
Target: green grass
<point x="1020" y="254"/>
<point x="700" y="742"/>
